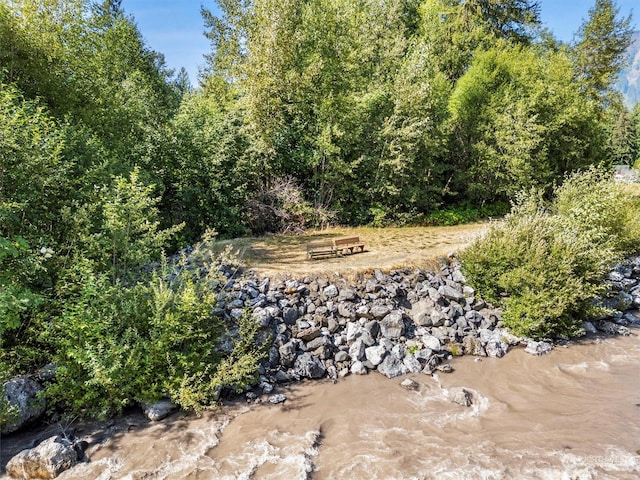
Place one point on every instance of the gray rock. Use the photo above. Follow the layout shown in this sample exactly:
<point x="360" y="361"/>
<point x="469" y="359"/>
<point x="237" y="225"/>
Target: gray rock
<point x="493" y="343"/>
<point x="450" y="293"/>
<point x="431" y="342"/>
<point x="341" y="356"/>
<point x="261" y="316"/>
<point x="347" y="294"/>
<point x="346" y="311"/>
<point x="611" y="328"/>
<point x="319" y="341"/>
<point x="409" y="384"/>
<point x="357" y="350"/>
<point x="461" y="396"/>
<point x="379" y="311"/>
<point x="354" y="331"/>
<point x="330" y="291"/>
<point x="589" y="327"/>
<point x="392" y="367"/>
<point x="412" y="364"/>
<point x="538" y="348"/>
<point x="373" y="327"/>
<point x="159" y="410"/>
<point x="358" y="368"/>
<point x="445" y="368"/>
<point x="25" y="405"/>
<point x="278" y="398"/>
<point x="237" y="313"/>
<point x="363" y="311"/>
<point x="288" y="353"/>
<point x="290" y="315"/>
<point x="375" y="354"/>
<point x="47" y="460"/>
<point x="308" y="365"/>
<point x="392" y="326"/>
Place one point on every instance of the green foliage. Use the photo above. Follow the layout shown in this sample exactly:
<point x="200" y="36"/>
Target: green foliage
<point x="599" y="52"/>
<point x="466" y="214"/>
<point x="546" y="262"/>
<point x="116" y="345"/>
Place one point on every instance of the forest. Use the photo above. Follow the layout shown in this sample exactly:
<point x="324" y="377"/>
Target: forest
<point x="308" y="113"/>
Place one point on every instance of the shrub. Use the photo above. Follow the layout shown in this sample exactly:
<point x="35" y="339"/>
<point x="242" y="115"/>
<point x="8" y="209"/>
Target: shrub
<point x="117" y="344"/>
<point x="282" y="208"/>
<point x="546" y="262"/>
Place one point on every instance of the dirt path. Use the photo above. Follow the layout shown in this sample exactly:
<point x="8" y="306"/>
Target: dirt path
<point x="386" y="249"/>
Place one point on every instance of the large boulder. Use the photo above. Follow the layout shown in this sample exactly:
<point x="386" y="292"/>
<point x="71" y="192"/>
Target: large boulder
<point x="159" y="410"/>
<point x="25" y="404"/>
<point x="392" y="367"/>
<point x="375" y="354"/>
<point x="47" y="460"/>
<point x="309" y="366"/>
<point x="392" y="326"/>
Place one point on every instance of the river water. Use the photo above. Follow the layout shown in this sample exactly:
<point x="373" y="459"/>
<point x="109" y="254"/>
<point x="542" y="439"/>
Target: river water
<point x="572" y="414"/>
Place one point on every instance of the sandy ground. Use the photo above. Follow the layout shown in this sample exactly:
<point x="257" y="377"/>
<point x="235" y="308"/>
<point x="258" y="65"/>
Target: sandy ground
<point x="386" y="249"/>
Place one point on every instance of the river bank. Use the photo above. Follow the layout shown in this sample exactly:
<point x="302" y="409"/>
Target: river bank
<point x="570" y="414"/>
<point x="396" y="323"/>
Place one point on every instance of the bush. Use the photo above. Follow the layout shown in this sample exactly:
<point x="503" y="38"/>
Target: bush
<point x="546" y="262"/>
<point x="282" y="208"/>
<point x="117" y="345"/>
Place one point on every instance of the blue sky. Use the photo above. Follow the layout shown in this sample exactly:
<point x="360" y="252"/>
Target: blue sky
<point x="175" y="27"/>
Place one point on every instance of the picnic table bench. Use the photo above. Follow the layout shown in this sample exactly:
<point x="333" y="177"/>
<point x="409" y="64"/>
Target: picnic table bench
<point x="321" y="248"/>
<point x="349" y="245"/>
<point x="334" y="248"/>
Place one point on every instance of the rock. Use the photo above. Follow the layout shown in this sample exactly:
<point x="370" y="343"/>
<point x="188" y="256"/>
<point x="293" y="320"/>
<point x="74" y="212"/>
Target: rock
<point x="25" y="405"/>
<point x="319" y="341"/>
<point x="412" y="364"/>
<point x="379" y="311"/>
<point x="612" y="328"/>
<point x="357" y="350"/>
<point x="461" y="396"/>
<point x="538" y="348"/>
<point x="278" y="398"/>
<point x="290" y="315"/>
<point x="450" y="293"/>
<point x="445" y="368"/>
<point x="375" y="354"/>
<point x="288" y="353"/>
<point x="159" y="410"/>
<point x="346" y="311"/>
<point x="309" y="334"/>
<point x="48" y="460"/>
<point x="309" y="366"/>
<point x="409" y="384"/>
<point x="330" y="291"/>
<point x="431" y="342"/>
<point x="346" y="294"/>
<point x="358" y="368"/>
<point x="392" y="326"/>
<point x="471" y="345"/>
<point x="493" y="343"/>
<point x="261" y="316"/>
<point x="392" y="367"/>
<point x="341" y="356"/>
<point x="589" y="327"/>
<point x="373" y="327"/>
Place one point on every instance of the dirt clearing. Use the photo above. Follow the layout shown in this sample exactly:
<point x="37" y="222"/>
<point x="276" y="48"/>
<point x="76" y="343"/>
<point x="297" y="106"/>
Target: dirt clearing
<point x="386" y="249"/>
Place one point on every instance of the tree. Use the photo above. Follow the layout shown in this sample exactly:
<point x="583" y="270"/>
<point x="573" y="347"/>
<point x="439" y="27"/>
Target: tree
<point x="623" y="139"/>
<point x="599" y="50"/>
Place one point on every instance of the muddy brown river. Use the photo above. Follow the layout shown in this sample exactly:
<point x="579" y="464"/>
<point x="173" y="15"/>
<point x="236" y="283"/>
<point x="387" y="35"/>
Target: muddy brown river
<point x="572" y="414"/>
